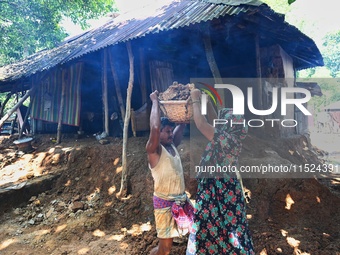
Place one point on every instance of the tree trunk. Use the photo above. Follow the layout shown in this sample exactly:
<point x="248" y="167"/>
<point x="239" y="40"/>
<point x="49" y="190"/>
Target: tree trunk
<point x="123" y="186"/>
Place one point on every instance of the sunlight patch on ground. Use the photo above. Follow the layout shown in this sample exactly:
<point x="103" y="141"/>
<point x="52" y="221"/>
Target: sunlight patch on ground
<point x="137" y="229"/>
<point x="68" y="183"/>
<point x="111" y="190"/>
<point x="289" y="202"/>
<point x="42" y="232"/>
<point x="83" y="251"/>
<point x="119" y="169"/>
<point x="318" y="199"/>
<point x="284" y="232"/>
<point x="7" y="243"/>
<point x="15" y="172"/>
<point x="98" y="233"/>
<point x="116" y="238"/>
<point x="264" y="252"/>
<point x="294" y="243"/>
<point x="60" y="228"/>
<point x="116" y="161"/>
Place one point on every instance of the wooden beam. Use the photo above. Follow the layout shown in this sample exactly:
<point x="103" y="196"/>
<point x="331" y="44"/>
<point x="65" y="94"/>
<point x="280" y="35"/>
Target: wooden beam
<point x="16" y="106"/>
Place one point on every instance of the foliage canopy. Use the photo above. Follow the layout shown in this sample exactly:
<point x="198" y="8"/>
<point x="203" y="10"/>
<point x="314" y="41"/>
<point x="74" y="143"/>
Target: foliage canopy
<point x="331" y="53"/>
<point x="27" y="26"/>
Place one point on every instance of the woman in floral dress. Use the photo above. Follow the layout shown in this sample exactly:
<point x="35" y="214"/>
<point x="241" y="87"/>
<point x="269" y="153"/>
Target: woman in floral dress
<point x="220" y="213"/>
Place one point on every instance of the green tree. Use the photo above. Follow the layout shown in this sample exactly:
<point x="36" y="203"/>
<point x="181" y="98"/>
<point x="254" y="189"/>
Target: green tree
<point x="27" y="26"/>
<point x="331" y="53"/>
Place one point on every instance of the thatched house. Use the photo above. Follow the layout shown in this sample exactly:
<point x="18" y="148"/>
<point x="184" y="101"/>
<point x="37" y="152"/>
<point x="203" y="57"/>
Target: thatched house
<point x="87" y="76"/>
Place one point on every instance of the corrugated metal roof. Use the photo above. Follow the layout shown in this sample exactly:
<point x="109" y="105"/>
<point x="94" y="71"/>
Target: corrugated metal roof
<point x="139" y="23"/>
<point x="167" y="15"/>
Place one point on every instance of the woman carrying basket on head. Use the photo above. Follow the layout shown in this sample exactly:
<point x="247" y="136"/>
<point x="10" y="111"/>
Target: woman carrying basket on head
<point x="220" y="214"/>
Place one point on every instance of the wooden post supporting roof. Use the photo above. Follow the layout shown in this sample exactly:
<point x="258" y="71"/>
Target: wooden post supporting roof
<point x="142" y="75"/>
<point x="104" y="93"/>
<point x="123" y="186"/>
<point x="25" y="121"/>
<point x="117" y="86"/>
<point x="61" y="109"/>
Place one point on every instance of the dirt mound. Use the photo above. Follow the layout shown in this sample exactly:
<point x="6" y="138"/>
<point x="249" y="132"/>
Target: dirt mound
<point x="80" y="214"/>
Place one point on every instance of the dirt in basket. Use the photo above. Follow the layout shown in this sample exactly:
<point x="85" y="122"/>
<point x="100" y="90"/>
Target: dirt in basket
<point x="176" y="91"/>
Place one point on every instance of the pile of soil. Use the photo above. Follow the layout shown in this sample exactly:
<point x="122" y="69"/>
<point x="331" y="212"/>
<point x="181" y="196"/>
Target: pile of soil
<point x="78" y="211"/>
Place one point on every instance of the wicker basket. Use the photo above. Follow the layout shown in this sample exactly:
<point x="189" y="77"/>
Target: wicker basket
<point x="177" y="110"/>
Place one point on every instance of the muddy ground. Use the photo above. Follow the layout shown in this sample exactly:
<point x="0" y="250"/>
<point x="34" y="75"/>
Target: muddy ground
<point x="61" y="199"/>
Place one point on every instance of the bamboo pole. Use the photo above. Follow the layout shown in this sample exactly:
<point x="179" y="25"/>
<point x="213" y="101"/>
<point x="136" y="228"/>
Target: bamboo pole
<point x="117" y="86"/>
<point x="61" y="109"/>
<point x="105" y="96"/>
<point x="16" y="106"/>
<point x="123" y="186"/>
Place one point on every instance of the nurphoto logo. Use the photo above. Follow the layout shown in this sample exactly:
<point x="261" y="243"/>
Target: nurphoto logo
<point x="286" y="98"/>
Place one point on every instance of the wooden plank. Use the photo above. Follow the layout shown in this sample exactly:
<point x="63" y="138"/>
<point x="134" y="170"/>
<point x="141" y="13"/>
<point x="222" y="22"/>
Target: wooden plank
<point x="16" y="106"/>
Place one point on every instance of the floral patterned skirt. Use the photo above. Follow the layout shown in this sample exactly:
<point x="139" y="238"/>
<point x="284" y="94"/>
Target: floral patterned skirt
<point x="220" y="219"/>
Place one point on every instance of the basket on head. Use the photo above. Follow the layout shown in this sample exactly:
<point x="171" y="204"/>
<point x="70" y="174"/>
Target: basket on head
<point x="177" y="111"/>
